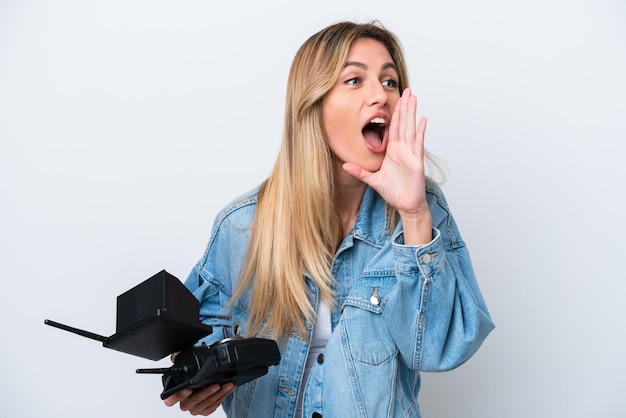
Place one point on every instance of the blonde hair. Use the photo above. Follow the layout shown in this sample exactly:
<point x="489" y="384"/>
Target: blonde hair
<point x="297" y="227"/>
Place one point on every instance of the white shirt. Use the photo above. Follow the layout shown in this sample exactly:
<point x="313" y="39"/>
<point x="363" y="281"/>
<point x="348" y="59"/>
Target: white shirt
<point x="321" y="334"/>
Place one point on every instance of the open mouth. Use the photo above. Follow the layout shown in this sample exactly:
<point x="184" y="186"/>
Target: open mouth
<point x="374" y="134"/>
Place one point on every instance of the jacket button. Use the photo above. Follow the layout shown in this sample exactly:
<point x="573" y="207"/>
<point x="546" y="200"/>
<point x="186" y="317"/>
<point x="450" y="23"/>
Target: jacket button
<point x="320" y="360"/>
<point x="316" y="415"/>
<point x="375" y="298"/>
<point x="427" y="258"/>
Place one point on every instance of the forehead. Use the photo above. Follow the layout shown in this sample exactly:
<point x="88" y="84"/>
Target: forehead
<point x="370" y="50"/>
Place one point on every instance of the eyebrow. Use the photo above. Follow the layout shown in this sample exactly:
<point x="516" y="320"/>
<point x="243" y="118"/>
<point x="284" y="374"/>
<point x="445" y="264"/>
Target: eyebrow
<point x="364" y="67"/>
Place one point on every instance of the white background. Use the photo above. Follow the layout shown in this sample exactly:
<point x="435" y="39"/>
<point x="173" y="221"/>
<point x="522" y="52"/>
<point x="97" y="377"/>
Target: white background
<point x="126" y="125"/>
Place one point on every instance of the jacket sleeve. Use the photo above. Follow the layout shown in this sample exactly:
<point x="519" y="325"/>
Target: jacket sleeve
<point x="438" y="297"/>
<point x="214" y="277"/>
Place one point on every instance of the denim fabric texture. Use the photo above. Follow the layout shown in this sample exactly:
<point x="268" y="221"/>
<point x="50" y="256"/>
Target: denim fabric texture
<point x="399" y="310"/>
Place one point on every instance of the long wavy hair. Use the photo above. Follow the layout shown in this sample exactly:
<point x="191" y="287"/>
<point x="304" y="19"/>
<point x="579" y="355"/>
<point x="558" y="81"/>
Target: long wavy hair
<point x="297" y="227"/>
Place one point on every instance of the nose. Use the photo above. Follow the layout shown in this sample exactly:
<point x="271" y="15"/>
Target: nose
<point x="378" y="95"/>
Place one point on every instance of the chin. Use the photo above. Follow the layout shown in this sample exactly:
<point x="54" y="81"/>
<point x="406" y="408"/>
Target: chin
<point x="373" y="165"/>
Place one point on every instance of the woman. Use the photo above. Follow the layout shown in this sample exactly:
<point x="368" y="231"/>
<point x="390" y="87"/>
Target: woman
<point x="347" y="254"/>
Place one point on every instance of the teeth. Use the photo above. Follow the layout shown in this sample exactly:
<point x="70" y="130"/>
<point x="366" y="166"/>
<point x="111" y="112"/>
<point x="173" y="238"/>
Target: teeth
<point x="378" y="121"/>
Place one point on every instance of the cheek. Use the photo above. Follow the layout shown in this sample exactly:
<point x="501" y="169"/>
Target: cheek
<point x="393" y="100"/>
<point x="334" y="122"/>
<point x="336" y="133"/>
<point x="330" y="124"/>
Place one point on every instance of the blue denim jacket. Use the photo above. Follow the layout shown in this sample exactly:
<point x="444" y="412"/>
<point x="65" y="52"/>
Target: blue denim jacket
<point x="399" y="310"/>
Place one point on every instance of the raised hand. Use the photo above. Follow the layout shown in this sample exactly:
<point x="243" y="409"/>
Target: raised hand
<point x="400" y="180"/>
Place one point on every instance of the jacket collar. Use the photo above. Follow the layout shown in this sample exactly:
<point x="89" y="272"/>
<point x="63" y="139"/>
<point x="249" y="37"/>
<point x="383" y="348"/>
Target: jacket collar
<point x="372" y="221"/>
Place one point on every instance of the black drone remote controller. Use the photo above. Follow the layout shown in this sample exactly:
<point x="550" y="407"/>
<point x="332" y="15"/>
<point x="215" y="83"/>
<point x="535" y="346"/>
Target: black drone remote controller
<point x="160" y="317"/>
<point x="237" y="360"/>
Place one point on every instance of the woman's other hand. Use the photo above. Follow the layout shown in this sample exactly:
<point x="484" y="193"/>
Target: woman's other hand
<point x="202" y="401"/>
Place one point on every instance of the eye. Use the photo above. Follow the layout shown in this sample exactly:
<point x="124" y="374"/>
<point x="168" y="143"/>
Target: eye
<point x="354" y="81"/>
<point x="391" y="83"/>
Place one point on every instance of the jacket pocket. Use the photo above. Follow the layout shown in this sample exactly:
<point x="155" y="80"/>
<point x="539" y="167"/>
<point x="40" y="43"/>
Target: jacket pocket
<point x="365" y="333"/>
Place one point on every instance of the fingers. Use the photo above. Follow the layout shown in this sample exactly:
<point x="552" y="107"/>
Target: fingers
<point x="206" y="400"/>
<point x="404" y="104"/>
<point x="403" y="121"/>
<point x="394" y="126"/>
<point x="177" y="397"/>
<point x="410" y="115"/>
<point x="202" y="401"/>
<point x="421" y="131"/>
<point x="421" y="127"/>
<point x="356" y="171"/>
